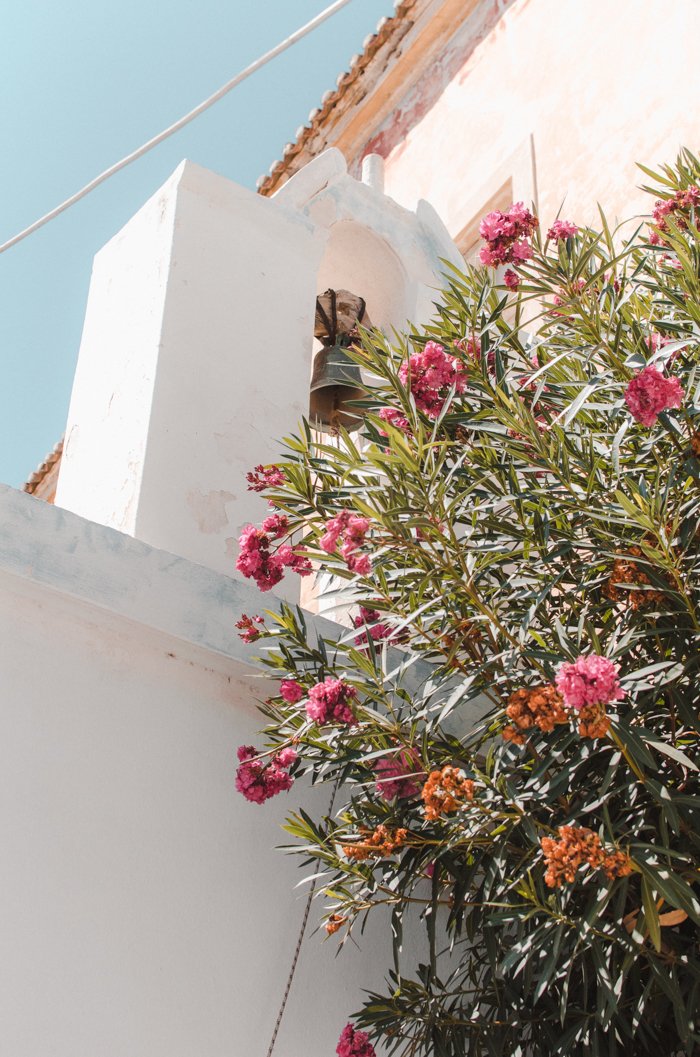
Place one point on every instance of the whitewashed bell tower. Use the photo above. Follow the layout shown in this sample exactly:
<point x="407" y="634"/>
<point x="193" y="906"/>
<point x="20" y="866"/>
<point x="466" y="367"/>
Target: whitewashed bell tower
<point x="196" y="352"/>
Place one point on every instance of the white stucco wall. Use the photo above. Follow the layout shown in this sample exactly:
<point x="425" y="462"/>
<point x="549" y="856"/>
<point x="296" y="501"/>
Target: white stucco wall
<point x="561" y="98"/>
<point x="145" y="911"/>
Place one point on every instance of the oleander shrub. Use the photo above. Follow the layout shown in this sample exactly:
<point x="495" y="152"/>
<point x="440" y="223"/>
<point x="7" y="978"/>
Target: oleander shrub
<point x="510" y="716"/>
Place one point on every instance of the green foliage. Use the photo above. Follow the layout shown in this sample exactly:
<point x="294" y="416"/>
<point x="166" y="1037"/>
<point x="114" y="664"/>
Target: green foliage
<point x="499" y="532"/>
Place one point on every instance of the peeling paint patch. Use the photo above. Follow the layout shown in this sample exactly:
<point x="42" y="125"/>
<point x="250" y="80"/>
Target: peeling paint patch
<point x="453" y="63"/>
<point x="209" y="509"/>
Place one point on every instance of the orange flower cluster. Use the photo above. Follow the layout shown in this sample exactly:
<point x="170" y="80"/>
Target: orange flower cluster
<point x="446" y="791"/>
<point x="335" y="922"/>
<point x="626" y="571"/>
<point x="575" y="847"/>
<point x="617" y="864"/>
<point x="695" y="444"/>
<point x="540" y="706"/>
<point x="380" y="842"/>
<point x="593" y="721"/>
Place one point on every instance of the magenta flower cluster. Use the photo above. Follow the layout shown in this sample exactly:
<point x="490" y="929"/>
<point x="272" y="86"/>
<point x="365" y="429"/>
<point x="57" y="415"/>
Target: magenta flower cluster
<point x="258" y="561"/>
<point x="353" y="1043"/>
<point x="399" y="775"/>
<point x="677" y="204"/>
<point x="349" y="530"/>
<point x="561" y="230"/>
<point x="247" y="629"/>
<point x="259" y="780"/>
<point x="395" y="418"/>
<point x="374" y="627"/>
<point x="591" y="680"/>
<point x="650" y="392"/>
<point x="291" y="691"/>
<point x="263" y="477"/>
<point x="331" y="702"/>
<point x="430" y="375"/>
<point x="507" y="236"/>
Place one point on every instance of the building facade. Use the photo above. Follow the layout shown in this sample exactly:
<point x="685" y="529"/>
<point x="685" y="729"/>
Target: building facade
<point x="145" y="912"/>
<point x="475" y="103"/>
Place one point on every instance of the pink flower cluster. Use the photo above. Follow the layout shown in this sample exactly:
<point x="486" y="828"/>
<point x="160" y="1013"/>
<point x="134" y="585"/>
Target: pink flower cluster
<point x="291" y="691"/>
<point x="394" y="418"/>
<point x="331" y="702"/>
<point x="507" y="235"/>
<point x="431" y="374"/>
<point x="561" y="230"/>
<point x="511" y="279"/>
<point x="676" y="204"/>
<point x="258" y="780"/>
<point x="649" y="393"/>
<point x="591" y="680"/>
<point x="395" y="774"/>
<point x="247" y="629"/>
<point x="263" y="477"/>
<point x="258" y="561"/>
<point x="472" y="347"/>
<point x="350" y="530"/>
<point x="374" y="627"/>
<point x="354" y="1043"/>
<point x="656" y="341"/>
<point x="276" y="525"/>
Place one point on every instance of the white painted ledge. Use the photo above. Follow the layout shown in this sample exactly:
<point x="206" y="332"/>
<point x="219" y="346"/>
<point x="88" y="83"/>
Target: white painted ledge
<point x="48" y="547"/>
<point x="191" y="606"/>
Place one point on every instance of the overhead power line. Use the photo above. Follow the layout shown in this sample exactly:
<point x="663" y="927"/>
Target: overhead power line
<point x="172" y="129"/>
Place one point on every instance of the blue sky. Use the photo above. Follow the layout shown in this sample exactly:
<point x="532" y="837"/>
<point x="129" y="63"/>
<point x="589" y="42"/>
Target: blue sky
<point x="83" y="83"/>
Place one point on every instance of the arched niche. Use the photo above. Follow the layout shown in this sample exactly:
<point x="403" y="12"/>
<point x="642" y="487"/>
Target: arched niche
<point x="393" y="257"/>
<point x="357" y="259"/>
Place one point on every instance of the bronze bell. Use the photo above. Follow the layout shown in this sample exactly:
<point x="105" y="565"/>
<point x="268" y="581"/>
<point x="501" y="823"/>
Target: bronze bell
<point x="336" y="378"/>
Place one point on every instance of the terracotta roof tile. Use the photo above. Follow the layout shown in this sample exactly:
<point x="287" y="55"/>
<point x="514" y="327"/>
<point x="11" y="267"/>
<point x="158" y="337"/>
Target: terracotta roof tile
<point x="389" y="31"/>
<point x="42" y="471"/>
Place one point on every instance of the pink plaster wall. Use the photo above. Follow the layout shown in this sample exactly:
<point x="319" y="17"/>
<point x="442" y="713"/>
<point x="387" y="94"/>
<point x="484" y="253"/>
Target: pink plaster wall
<point x="593" y="85"/>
